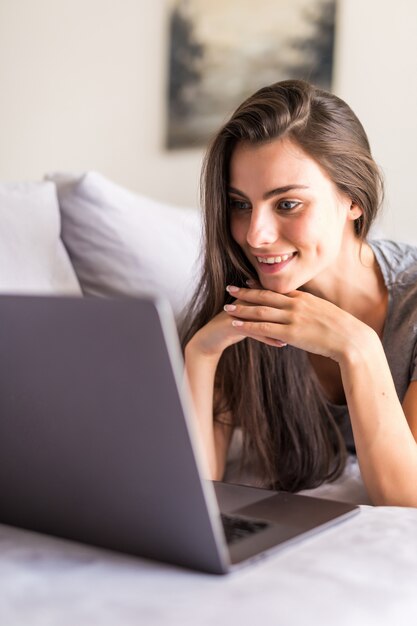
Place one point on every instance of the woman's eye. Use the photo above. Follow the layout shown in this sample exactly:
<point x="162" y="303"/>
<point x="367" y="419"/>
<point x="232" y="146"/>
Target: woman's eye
<point x="239" y="205"/>
<point x="287" y="205"/>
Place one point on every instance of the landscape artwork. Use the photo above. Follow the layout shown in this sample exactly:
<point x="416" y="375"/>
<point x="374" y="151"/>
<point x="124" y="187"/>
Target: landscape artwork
<point x="221" y="51"/>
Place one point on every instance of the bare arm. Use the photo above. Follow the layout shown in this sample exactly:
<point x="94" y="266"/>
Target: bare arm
<point x="202" y="355"/>
<point x="215" y="436"/>
<point x="385" y="444"/>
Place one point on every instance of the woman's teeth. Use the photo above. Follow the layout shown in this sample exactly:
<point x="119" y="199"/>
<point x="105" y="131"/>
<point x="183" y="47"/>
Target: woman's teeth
<point x="274" y="259"/>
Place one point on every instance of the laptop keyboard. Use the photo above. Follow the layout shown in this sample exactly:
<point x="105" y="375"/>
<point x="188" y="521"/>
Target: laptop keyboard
<point x="237" y="528"/>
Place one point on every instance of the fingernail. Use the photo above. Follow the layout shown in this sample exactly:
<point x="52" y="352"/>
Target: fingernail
<point x="237" y="323"/>
<point x="232" y="288"/>
<point x="250" y="282"/>
<point x="229" y="307"/>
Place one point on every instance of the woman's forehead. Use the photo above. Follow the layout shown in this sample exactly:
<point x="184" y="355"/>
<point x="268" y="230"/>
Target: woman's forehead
<point x="279" y="162"/>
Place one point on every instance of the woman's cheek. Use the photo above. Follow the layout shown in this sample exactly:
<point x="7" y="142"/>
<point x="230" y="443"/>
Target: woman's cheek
<point x="238" y="229"/>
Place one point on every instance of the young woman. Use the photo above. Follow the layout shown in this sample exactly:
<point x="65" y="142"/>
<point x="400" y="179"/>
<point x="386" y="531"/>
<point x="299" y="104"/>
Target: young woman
<point x="303" y="332"/>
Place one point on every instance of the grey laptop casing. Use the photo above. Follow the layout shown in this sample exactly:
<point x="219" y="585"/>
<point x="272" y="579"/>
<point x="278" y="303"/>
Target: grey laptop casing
<point x="98" y="442"/>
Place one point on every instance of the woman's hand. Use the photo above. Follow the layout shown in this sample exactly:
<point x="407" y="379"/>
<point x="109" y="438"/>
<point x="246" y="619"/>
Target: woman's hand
<point x="299" y="319"/>
<point x="217" y="335"/>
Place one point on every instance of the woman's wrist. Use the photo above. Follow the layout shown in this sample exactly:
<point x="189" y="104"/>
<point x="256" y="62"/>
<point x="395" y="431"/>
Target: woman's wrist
<point x="195" y="348"/>
<point x="362" y="347"/>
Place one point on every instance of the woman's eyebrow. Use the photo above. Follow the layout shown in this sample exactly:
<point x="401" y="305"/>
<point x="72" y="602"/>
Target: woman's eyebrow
<point x="236" y="192"/>
<point x="269" y="194"/>
<point x="279" y="190"/>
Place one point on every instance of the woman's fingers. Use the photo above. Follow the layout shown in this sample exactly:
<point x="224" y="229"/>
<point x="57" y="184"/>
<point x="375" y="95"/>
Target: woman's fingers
<point x="271" y="331"/>
<point x="260" y="313"/>
<point x="253" y="284"/>
<point x="261" y="296"/>
<point x="275" y="343"/>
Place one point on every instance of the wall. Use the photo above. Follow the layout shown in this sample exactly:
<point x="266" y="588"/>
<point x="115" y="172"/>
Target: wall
<point x="82" y="86"/>
<point x="377" y="74"/>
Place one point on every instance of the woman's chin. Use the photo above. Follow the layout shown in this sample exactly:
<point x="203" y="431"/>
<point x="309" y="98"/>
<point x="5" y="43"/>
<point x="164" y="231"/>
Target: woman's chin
<point x="278" y="285"/>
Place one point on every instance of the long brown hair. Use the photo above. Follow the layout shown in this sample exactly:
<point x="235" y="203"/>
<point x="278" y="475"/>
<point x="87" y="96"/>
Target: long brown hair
<point x="273" y="394"/>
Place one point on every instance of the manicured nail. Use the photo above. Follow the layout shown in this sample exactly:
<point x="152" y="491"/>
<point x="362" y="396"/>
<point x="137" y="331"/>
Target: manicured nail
<point x="232" y="288"/>
<point x="250" y="282"/>
<point x="229" y="307"/>
<point x="237" y="323"/>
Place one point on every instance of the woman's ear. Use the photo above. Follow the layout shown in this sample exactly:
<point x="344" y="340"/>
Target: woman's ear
<point x="354" y="212"/>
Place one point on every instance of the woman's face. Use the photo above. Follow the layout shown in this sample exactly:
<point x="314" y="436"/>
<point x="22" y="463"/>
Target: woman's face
<point x="286" y="214"/>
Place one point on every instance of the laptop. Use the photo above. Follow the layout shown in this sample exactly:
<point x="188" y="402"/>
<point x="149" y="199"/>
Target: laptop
<point x="98" y="442"/>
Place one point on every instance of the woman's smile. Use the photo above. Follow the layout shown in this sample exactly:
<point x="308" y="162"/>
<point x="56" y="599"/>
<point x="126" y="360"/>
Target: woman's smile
<point x="271" y="264"/>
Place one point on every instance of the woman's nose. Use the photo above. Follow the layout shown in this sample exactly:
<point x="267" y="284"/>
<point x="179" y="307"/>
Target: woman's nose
<point x="263" y="229"/>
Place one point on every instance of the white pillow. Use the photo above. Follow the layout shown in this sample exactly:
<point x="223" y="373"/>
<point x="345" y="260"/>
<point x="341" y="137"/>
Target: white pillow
<point x="124" y="243"/>
<point x="32" y="256"/>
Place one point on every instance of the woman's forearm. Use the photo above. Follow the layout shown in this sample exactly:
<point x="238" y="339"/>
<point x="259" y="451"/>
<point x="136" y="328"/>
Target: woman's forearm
<point x="385" y="446"/>
<point x="200" y="371"/>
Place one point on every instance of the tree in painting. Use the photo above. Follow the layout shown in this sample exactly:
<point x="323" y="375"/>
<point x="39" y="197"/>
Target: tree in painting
<point x="184" y="73"/>
<point x="223" y="50"/>
<point x="317" y="50"/>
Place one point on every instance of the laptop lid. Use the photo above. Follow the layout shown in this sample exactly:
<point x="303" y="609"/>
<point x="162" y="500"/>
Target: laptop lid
<point x="96" y="440"/>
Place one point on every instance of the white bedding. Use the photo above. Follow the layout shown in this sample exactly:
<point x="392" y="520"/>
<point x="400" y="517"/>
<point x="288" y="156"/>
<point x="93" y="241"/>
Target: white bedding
<point x="360" y="572"/>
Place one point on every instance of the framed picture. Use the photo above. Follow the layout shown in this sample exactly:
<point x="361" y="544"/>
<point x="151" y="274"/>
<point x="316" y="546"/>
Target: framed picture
<point x="221" y="51"/>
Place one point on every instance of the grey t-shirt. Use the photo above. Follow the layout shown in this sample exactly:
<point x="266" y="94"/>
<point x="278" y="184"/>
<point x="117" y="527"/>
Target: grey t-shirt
<point x="398" y="264"/>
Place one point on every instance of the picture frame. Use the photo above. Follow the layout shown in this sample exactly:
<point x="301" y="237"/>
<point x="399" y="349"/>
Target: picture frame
<point x="222" y="51"/>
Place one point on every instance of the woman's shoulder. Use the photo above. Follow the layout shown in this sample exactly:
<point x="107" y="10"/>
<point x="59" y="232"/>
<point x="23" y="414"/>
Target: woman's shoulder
<point x="398" y="264"/>
<point x="397" y="261"/>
